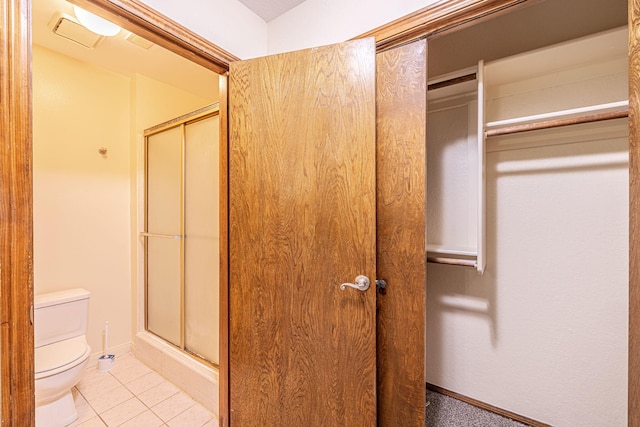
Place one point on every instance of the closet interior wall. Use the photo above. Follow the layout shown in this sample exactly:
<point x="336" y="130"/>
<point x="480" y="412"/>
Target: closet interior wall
<point x="548" y="318"/>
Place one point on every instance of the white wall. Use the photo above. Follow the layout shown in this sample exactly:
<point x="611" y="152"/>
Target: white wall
<point x="543" y="333"/>
<point x="233" y="27"/>
<point x="321" y="22"/>
<point x="227" y="23"/>
<point x="81" y="198"/>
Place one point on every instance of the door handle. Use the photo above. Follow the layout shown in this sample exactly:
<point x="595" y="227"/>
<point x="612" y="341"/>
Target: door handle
<point x="362" y="284"/>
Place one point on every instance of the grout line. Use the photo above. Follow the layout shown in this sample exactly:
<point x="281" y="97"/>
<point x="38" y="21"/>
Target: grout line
<point x="135" y="395"/>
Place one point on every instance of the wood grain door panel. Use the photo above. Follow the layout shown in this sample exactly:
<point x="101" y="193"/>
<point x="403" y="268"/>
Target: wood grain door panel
<point x="302" y="221"/>
<point x="401" y="176"/>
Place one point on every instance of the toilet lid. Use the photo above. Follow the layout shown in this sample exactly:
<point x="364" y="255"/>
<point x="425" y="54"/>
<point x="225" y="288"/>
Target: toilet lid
<point x="53" y="358"/>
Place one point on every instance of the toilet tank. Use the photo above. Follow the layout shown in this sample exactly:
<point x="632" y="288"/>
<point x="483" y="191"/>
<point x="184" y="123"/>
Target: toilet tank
<point x="60" y="315"/>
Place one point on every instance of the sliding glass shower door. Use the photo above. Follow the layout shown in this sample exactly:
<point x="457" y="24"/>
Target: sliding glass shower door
<point x="182" y="239"/>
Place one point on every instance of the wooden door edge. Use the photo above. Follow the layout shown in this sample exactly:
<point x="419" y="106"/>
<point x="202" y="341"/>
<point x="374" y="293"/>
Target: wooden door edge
<point x="225" y="314"/>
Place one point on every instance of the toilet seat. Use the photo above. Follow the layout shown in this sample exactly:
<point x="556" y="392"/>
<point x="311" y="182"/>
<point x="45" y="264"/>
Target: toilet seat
<point x="54" y="358"/>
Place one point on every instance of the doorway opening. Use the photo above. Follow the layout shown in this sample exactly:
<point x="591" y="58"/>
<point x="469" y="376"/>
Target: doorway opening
<point x="91" y="108"/>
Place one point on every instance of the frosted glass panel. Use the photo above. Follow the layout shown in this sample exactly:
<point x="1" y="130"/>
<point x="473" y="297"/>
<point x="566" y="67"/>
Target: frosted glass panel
<point x="163" y="288"/>
<point x="202" y="244"/>
<point x="183" y="274"/>
<point x="164" y="152"/>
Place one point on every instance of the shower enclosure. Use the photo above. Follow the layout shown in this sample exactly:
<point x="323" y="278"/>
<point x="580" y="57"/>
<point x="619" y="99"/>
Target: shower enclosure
<point x="182" y="232"/>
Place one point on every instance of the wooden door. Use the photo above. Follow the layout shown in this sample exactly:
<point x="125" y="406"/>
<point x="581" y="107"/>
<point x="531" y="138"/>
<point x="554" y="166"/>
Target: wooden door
<point x="401" y="230"/>
<point x="302" y="218"/>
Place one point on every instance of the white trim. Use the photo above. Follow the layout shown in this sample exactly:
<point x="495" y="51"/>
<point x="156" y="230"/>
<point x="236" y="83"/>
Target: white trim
<point x="482" y="233"/>
<point x="444" y="251"/>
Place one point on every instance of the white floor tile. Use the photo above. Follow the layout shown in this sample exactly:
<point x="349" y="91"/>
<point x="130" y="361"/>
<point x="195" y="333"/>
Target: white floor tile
<point x="132" y="373"/>
<point x="123" y="396"/>
<point x="145" y="383"/>
<point x="157" y="394"/>
<point x="108" y="400"/>
<point x="85" y="411"/>
<point x="123" y="412"/>
<point x="93" y="422"/>
<point x="195" y="416"/>
<point x="146" y="419"/>
<point x="171" y="407"/>
<point x="125" y="362"/>
<point x="213" y="423"/>
<point x="94" y="383"/>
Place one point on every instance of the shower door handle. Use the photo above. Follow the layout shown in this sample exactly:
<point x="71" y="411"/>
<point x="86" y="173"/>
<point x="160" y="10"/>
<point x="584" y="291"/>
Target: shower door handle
<point x="162" y="236"/>
<point x="362" y="284"/>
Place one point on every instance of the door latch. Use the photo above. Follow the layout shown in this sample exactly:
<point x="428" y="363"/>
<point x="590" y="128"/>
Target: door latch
<point x="362" y="284"/>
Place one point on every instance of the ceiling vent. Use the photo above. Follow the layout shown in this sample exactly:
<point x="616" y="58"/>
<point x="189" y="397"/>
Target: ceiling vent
<point x="139" y="41"/>
<point x="67" y="27"/>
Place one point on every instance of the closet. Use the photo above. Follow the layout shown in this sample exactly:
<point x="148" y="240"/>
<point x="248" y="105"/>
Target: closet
<point x="576" y="82"/>
<point x="527" y="212"/>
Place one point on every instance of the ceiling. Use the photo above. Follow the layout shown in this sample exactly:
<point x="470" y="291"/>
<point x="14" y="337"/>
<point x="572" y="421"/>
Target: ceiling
<point x="270" y="9"/>
<point x="533" y="26"/>
<point x="121" y="56"/>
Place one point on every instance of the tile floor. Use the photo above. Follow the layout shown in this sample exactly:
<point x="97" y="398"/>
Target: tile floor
<point x="133" y="395"/>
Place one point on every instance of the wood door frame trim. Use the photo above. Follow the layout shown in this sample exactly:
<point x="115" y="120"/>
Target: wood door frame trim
<point x="135" y="16"/>
<point x="223" y="358"/>
<point x="16" y="223"/>
<point x="16" y="281"/>
<point x="435" y="18"/>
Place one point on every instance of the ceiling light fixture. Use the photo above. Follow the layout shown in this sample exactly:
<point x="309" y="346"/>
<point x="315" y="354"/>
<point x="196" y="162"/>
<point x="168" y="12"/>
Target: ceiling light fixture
<point x="95" y="23"/>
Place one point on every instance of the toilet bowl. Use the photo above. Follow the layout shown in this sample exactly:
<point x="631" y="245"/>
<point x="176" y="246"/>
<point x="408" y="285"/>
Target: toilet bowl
<point x="61" y="354"/>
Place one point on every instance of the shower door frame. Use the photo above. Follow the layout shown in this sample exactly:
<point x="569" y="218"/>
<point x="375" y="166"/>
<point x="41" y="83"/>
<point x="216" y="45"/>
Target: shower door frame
<point x="183" y="121"/>
<point x="16" y="230"/>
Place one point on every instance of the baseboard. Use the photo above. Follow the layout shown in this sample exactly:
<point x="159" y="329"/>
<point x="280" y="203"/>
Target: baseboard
<point x="486" y="406"/>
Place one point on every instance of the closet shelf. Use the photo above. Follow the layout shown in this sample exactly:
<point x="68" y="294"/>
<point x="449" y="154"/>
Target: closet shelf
<point x="452" y="256"/>
<point x="445" y="251"/>
<point x="453" y="261"/>
<point x="593" y="113"/>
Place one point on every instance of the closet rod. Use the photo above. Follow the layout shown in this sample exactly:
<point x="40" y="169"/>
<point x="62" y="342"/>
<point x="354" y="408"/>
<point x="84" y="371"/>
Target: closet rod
<point x="452" y="261"/>
<point x="451" y="82"/>
<point x="591" y="118"/>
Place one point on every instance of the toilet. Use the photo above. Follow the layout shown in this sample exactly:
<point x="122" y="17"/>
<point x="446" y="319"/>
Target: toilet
<point x="61" y="353"/>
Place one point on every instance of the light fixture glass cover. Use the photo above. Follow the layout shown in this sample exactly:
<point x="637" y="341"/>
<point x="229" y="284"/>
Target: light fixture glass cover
<point x="95" y="23"/>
